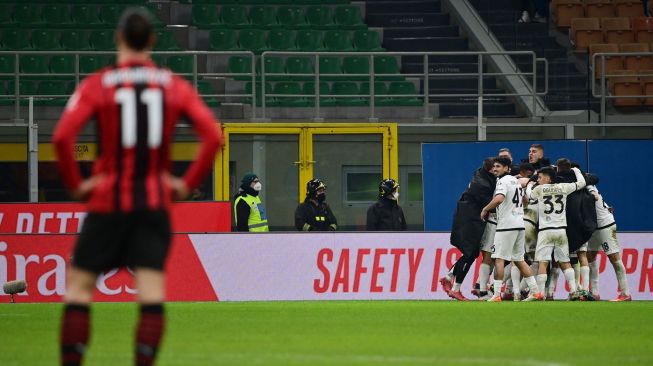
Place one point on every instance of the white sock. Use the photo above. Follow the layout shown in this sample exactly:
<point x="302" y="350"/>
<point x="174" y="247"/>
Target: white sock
<point x="553" y="282"/>
<point x="515" y="275"/>
<point x="620" y="271"/>
<point x="571" y="279"/>
<point x="450" y="273"/>
<point x="483" y="275"/>
<point x="456" y="287"/>
<point x="532" y="284"/>
<point x="576" y="268"/>
<point x="594" y="276"/>
<point x="541" y="281"/>
<point x="497" y="287"/>
<point x="584" y="278"/>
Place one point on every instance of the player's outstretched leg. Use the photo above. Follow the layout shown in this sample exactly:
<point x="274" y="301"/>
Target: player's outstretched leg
<point x="76" y="323"/>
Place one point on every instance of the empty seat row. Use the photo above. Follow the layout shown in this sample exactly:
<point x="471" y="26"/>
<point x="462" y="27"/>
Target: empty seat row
<point x="632" y="83"/>
<point x="60" y="64"/>
<point x="72" y="39"/>
<point x="61" y="15"/>
<point x="338" y="93"/>
<point x="330" y="68"/>
<point x="257" y="41"/>
<point x="238" y="16"/>
<point x="565" y="10"/>
<point x="587" y="31"/>
<point x="630" y="62"/>
<point x="269" y="2"/>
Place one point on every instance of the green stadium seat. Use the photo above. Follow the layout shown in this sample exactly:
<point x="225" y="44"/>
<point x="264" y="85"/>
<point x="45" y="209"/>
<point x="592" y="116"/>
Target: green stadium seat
<point x="53" y="88"/>
<point x="309" y="40"/>
<point x="379" y="89"/>
<point x="34" y="64"/>
<point x="7" y="64"/>
<point x="281" y="40"/>
<point x="300" y="65"/>
<point x="274" y="68"/>
<point x="92" y="63"/>
<point x="269" y="101"/>
<point x="46" y="39"/>
<point x="252" y="40"/>
<point x="337" y="40"/>
<point x="289" y="88"/>
<point x="56" y="14"/>
<point x="182" y="64"/>
<point x="356" y="65"/>
<point x="367" y="40"/>
<point x="234" y="16"/>
<point x="5" y="15"/>
<point x="85" y="15"/>
<point x="223" y="40"/>
<point x="101" y="39"/>
<point x="205" y="87"/>
<point x="159" y="60"/>
<point x="165" y="41"/>
<point x="110" y="13"/>
<point x="25" y="87"/>
<point x="27" y="14"/>
<point x="404" y="87"/>
<point x="386" y="65"/>
<point x="349" y="17"/>
<point x="205" y="16"/>
<point x="263" y="17"/>
<point x="320" y="17"/>
<point x="348" y="88"/>
<point x="330" y="65"/>
<point x="62" y="64"/>
<point x="240" y="65"/>
<point x="309" y="90"/>
<point x="16" y="39"/>
<point x="291" y="17"/>
<point x="74" y="40"/>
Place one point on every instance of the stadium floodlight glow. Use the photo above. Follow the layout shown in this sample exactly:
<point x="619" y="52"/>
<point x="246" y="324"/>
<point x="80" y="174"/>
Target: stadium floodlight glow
<point x="14" y="287"/>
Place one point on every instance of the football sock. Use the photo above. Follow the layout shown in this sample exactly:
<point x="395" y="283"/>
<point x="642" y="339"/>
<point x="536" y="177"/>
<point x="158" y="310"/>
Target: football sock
<point x="497" y="287"/>
<point x="532" y="285"/>
<point x="585" y="278"/>
<point x="576" y="268"/>
<point x="148" y="333"/>
<point x="456" y="287"/>
<point x="541" y="281"/>
<point x="553" y="281"/>
<point x="620" y="272"/>
<point x="515" y="275"/>
<point x="594" y="276"/>
<point x="571" y="279"/>
<point x="483" y="275"/>
<point x="75" y="330"/>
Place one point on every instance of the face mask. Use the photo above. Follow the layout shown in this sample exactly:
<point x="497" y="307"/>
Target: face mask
<point x="395" y="196"/>
<point x="257" y="186"/>
<point x="321" y="197"/>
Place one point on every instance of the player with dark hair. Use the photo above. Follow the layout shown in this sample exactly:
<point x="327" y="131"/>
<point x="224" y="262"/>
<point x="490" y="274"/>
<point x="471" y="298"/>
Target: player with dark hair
<point x="314" y="214"/>
<point x="136" y="105"/>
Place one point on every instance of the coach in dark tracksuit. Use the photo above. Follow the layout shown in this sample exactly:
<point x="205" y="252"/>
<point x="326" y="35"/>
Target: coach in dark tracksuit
<point x="314" y="214"/>
<point x="386" y="214"/>
<point x="581" y="210"/>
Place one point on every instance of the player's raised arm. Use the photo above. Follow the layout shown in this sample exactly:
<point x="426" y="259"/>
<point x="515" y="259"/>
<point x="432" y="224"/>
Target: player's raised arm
<point x="580" y="179"/>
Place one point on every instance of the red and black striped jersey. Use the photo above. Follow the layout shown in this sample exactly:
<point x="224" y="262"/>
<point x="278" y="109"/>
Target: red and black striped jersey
<point x="136" y="106"/>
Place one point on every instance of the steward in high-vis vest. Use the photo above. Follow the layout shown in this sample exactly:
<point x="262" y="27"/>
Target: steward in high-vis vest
<point x="249" y="213"/>
<point x="314" y="214"/>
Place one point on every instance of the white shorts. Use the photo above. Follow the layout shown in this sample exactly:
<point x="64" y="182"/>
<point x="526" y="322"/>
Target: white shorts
<point x="530" y="237"/>
<point x="509" y="245"/>
<point x="582" y="248"/>
<point x="606" y="240"/>
<point x="552" y="242"/>
<point x="487" y="241"/>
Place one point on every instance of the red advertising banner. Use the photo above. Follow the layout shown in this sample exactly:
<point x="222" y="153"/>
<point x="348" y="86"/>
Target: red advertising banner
<point x="67" y="218"/>
<point x="41" y="260"/>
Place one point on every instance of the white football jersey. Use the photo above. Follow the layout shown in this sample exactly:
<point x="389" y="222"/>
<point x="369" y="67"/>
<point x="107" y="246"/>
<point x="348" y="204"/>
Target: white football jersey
<point x="603" y="216"/>
<point x="552" y="204"/>
<point x="510" y="213"/>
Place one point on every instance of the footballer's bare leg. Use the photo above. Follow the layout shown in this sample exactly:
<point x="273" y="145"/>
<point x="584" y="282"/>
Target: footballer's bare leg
<point x="151" y="293"/>
<point x="570" y="277"/>
<point x="75" y="326"/>
<point x="594" y="273"/>
<point x="620" y="272"/>
<point x="522" y="268"/>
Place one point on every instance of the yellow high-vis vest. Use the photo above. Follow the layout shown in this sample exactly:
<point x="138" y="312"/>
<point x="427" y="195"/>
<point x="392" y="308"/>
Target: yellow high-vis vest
<point x="257" y="221"/>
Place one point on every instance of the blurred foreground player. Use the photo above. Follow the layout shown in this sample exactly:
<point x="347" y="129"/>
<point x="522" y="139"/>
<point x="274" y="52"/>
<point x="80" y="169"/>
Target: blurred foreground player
<point x="136" y="106"/>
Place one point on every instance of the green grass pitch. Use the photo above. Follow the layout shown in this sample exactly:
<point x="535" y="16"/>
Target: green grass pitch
<point x="350" y="333"/>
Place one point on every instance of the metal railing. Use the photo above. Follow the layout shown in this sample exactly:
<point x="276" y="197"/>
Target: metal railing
<point x="195" y="75"/>
<point x="599" y="60"/>
<point x="481" y="57"/>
